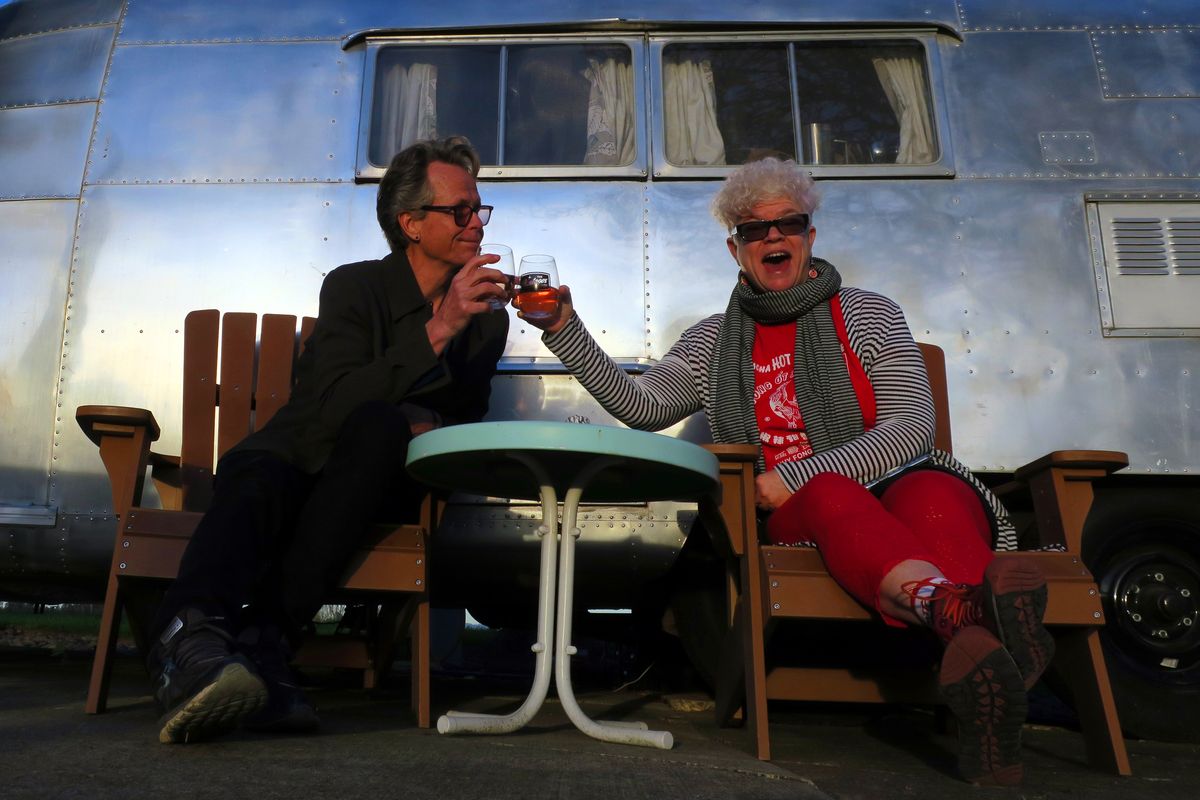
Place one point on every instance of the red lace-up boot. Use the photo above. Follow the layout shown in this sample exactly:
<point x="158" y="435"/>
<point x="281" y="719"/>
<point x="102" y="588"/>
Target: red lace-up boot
<point x="982" y="686"/>
<point x="1010" y="603"/>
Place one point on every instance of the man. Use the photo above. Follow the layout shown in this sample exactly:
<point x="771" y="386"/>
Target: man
<point x="401" y="345"/>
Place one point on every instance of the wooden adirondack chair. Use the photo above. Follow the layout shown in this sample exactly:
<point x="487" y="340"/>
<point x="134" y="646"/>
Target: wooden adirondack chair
<point x="778" y="583"/>
<point x="255" y="380"/>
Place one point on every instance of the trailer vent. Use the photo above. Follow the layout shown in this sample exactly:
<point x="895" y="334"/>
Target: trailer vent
<point x="1147" y="255"/>
<point x="1183" y="237"/>
<point x="1156" y="246"/>
<point x="1140" y="246"/>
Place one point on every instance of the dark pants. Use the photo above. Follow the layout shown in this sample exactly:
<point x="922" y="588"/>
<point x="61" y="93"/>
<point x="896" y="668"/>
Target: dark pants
<point x="275" y="539"/>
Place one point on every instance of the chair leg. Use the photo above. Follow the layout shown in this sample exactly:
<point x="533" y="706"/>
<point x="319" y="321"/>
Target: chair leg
<point x="390" y="623"/>
<point x="371" y="670"/>
<point x="419" y="632"/>
<point x="106" y="645"/>
<point x="741" y="687"/>
<point x="754" y="619"/>
<point x="755" y="644"/>
<point x="730" y="690"/>
<point x="1080" y="662"/>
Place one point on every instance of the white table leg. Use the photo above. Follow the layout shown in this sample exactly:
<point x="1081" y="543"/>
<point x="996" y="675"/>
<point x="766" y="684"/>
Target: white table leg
<point x="608" y="731"/>
<point x="466" y="722"/>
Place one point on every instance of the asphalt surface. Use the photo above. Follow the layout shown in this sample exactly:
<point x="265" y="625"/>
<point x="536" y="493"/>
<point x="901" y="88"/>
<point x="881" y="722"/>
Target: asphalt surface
<point x="369" y="746"/>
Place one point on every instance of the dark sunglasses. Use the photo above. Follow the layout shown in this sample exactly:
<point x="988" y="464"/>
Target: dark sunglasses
<point x="794" y="225"/>
<point x="462" y="213"/>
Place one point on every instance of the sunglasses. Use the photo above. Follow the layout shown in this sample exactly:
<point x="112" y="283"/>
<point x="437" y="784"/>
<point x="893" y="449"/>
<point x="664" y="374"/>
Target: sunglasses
<point x="794" y="225"/>
<point x="462" y="213"/>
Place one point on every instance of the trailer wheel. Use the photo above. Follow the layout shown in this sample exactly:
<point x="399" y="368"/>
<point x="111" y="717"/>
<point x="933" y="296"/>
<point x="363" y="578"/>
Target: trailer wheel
<point x="1143" y="548"/>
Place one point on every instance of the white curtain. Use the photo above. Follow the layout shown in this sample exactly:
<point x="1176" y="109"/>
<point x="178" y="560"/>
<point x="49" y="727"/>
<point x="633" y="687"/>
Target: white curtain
<point x="690" y="108"/>
<point x="409" y="108"/>
<point x="610" y="138"/>
<point x="903" y="83"/>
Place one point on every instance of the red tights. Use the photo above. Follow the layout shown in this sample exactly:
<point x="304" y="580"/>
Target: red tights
<point x="925" y="515"/>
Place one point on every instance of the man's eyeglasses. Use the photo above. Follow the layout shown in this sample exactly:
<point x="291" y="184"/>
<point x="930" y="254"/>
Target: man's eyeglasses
<point x="794" y="225"/>
<point x="462" y="213"/>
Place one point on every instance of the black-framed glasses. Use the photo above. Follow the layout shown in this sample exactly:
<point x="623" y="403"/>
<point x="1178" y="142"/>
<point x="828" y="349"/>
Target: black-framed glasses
<point x="792" y="225"/>
<point x="462" y="213"/>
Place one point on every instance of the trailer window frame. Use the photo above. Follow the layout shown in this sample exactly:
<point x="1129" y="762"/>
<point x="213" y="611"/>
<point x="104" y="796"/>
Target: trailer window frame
<point x="367" y="171"/>
<point x="942" y="166"/>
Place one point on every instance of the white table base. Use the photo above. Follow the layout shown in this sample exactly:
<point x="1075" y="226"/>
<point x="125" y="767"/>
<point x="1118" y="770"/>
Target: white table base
<point x="557" y="623"/>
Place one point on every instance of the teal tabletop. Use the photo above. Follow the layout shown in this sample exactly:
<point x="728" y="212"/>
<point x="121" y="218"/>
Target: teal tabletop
<point x="477" y="459"/>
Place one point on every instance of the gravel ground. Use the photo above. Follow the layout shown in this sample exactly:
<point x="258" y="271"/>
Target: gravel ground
<point x="24" y="637"/>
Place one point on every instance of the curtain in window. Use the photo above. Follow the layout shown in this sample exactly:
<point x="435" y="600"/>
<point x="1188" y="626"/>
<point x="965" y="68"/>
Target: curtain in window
<point x="409" y="108"/>
<point x="903" y="83"/>
<point x="690" y="108"/>
<point x="610" y="137"/>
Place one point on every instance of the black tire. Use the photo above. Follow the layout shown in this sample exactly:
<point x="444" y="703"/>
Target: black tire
<point x="1143" y="547"/>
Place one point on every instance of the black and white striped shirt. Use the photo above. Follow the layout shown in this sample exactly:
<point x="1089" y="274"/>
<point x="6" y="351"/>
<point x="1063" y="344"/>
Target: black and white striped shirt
<point x="678" y="385"/>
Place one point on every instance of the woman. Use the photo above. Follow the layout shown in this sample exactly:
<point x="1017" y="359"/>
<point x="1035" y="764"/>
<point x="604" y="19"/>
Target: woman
<point x="828" y="381"/>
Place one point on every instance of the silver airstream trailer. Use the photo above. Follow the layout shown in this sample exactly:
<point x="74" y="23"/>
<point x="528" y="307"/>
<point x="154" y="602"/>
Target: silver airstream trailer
<point x="1023" y="177"/>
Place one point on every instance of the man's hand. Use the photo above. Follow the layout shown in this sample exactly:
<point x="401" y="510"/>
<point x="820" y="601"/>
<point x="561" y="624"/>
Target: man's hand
<point x="566" y="310"/>
<point x="468" y="294"/>
<point x="417" y="428"/>
<point x="770" y="492"/>
<point x="420" y="419"/>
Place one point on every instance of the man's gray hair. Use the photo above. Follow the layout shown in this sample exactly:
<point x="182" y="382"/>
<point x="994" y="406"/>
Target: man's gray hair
<point x="759" y="181"/>
<point x="405" y="185"/>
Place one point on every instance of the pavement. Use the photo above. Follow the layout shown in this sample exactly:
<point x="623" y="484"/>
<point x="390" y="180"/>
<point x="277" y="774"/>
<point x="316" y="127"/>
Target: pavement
<point x="368" y="746"/>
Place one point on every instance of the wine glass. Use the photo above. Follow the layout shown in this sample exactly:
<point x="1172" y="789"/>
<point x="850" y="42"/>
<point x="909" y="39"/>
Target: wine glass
<point x="537" y="287"/>
<point x="504" y="265"/>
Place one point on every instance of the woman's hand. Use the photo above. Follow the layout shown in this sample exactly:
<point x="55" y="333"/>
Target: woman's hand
<point x="770" y="492"/>
<point x="554" y="324"/>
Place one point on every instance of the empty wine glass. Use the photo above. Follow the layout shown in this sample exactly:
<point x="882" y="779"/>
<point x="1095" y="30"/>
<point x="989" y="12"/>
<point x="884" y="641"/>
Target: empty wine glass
<point x="504" y="265"/>
<point x="537" y="287"/>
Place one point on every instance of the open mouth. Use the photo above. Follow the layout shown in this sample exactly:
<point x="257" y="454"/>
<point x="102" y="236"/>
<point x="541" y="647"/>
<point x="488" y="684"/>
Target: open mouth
<point x="777" y="259"/>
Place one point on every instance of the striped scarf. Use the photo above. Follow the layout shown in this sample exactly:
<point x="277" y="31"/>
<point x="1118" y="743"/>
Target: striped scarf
<point x="828" y="404"/>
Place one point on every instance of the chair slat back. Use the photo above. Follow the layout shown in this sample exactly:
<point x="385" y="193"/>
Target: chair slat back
<point x="257" y="371"/>
<point x="236" y="392"/>
<point x="306" y="329"/>
<point x="201" y="330"/>
<point x="935" y="368"/>
<point x="276" y="358"/>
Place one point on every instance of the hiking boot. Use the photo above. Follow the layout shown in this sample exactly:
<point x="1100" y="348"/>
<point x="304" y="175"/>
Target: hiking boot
<point x="984" y="690"/>
<point x="1013" y="597"/>
<point x="204" y="688"/>
<point x="1010" y="603"/>
<point x="287" y="709"/>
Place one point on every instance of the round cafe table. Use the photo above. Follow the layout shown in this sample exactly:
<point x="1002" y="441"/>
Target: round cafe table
<point x="545" y="461"/>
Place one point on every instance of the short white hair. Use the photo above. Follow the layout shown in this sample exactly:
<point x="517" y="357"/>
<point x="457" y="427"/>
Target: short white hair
<point x="758" y="181"/>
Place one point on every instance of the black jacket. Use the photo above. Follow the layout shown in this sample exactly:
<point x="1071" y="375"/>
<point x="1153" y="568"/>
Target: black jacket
<point x="369" y="343"/>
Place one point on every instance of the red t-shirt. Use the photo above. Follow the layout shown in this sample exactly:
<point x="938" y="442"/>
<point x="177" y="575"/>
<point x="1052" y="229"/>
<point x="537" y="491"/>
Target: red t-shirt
<point x="781" y="429"/>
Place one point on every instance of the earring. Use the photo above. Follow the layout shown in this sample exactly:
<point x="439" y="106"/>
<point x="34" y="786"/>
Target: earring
<point x="812" y="273"/>
<point x="416" y="238"/>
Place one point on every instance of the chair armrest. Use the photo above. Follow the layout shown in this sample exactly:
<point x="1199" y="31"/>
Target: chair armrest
<point x="99" y="421"/>
<point x="1109" y="461"/>
<point x="167" y="475"/>
<point x="1060" y="484"/>
<point x="730" y="516"/>
<point x="123" y="435"/>
<point x="733" y="452"/>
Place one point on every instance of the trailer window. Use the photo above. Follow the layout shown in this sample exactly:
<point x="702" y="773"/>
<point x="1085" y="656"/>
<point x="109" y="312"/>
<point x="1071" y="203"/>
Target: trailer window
<point x="543" y="105"/>
<point x="425" y="92"/>
<point x="822" y="102"/>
